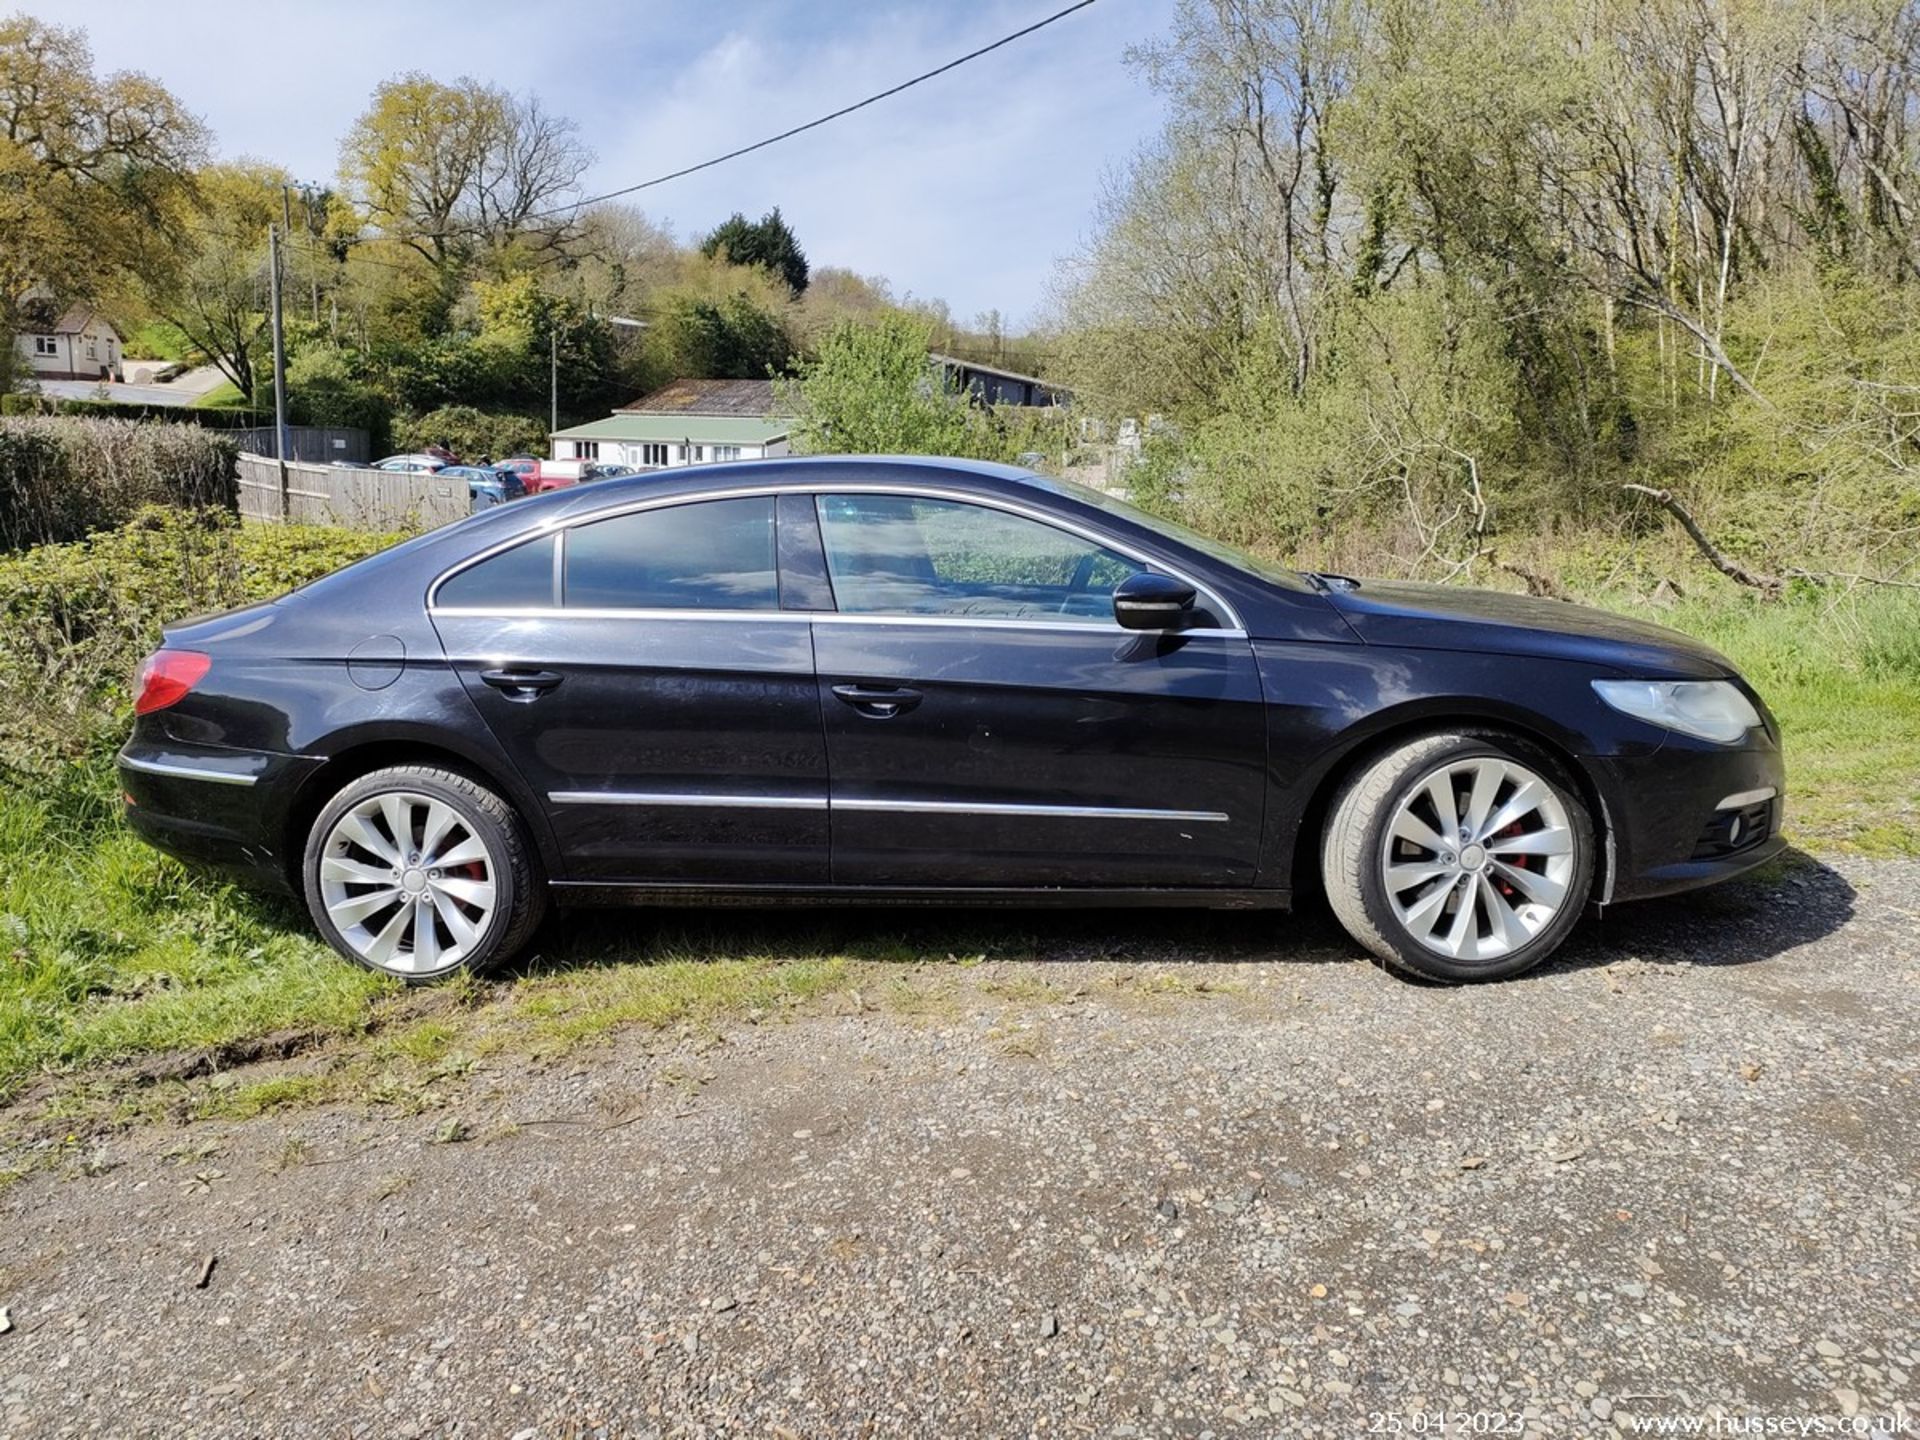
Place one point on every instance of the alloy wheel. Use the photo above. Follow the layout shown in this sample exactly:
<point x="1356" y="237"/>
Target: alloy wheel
<point x="1478" y="858"/>
<point x="408" y="882"/>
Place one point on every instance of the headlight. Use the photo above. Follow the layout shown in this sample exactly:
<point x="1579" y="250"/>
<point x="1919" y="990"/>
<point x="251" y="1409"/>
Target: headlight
<point x="1712" y="709"/>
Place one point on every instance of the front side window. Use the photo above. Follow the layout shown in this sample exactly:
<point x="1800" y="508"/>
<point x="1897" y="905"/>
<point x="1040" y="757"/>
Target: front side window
<point x="910" y="555"/>
<point x="712" y="555"/>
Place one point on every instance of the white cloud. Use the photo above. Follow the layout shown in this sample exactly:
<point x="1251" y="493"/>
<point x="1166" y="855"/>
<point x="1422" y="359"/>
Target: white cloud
<point x="966" y="187"/>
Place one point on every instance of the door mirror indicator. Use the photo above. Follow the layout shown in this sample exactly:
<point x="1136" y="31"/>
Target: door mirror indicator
<point x="1152" y="602"/>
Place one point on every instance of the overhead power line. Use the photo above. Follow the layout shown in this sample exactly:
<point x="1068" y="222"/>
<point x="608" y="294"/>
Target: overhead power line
<point x="788" y="134"/>
<point x="822" y="120"/>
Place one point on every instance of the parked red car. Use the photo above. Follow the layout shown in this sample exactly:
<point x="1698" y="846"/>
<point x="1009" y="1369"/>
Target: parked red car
<point x="555" y="475"/>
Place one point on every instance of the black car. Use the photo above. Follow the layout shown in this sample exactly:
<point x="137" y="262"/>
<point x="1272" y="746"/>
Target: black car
<point x="932" y="681"/>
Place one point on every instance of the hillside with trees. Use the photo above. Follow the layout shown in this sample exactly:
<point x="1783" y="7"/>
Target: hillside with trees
<point x="1408" y="276"/>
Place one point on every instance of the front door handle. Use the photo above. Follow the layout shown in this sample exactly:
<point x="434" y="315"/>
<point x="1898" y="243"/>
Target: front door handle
<point x="879" y="702"/>
<point x="521" y="684"/>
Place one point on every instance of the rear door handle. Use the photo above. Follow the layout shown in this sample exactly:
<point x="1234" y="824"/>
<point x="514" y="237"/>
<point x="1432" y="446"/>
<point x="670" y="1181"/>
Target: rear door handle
<point x="879" y="702"/>
<point x="521" y="684"/>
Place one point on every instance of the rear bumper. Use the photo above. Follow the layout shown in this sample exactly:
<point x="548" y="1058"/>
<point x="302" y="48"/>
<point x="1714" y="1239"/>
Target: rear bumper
<point x="212" y="805"/>
<point x="1669" y="815"/>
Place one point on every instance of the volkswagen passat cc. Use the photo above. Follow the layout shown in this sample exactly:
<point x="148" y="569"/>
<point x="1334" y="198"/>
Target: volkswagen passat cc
<point x="931" y="681"/>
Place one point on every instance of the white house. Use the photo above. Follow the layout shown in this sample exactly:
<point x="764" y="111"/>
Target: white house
<point x="80" y="344"/>
<point x="690" y="422"/>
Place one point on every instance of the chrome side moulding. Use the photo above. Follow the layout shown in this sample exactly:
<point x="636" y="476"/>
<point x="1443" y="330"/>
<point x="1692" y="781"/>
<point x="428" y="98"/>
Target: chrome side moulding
<point x="187" y="772"/>
<point x="919" y="807"/>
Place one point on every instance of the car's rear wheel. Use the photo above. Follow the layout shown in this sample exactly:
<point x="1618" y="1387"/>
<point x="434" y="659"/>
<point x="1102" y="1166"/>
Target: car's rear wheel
<point x="1459" y="856"/>
<point x="420" y="873"/>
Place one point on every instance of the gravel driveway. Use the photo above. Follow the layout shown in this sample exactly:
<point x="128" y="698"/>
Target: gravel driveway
<point x="1128" y="1190"/>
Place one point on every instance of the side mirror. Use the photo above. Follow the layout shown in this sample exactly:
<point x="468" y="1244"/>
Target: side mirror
<point x="1152" y="602"/>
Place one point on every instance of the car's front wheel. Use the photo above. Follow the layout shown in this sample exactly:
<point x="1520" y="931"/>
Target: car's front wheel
<point x="1459" y="856"/>
<point x="419" y="872"/>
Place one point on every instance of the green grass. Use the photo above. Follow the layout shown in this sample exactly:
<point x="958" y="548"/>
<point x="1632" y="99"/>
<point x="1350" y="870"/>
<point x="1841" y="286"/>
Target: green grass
<point x="1841" y="672"/>
<point x="157" y="340"/>
<point x="224" y="396"/>
<point x="110" y="952"/>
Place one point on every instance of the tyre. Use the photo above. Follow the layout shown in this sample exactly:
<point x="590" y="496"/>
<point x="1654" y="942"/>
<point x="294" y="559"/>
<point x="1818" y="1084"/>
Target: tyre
<point x="1459" y="856"/>
<point x="420" y="873"/>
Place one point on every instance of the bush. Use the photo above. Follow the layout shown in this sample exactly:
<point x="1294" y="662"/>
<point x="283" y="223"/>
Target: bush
<point x="60" y="478"/>
<point x="471" y="433"/>
<point x="213" y="417"/>
<point x="76" y="618"/>
<point x="323" y="388"/>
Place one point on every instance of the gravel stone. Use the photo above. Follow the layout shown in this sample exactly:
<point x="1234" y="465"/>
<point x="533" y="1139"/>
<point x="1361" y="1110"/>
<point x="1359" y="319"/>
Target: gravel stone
<point x="1207" y="1178"/>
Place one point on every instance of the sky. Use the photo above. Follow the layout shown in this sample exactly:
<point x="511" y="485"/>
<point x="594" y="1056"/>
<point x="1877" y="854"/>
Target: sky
<point x="967" y="188"/>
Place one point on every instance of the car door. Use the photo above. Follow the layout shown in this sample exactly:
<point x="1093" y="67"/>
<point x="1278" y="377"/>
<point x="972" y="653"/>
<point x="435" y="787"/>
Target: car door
<point x="640" y="672"/>
<point x="989" y="723"/>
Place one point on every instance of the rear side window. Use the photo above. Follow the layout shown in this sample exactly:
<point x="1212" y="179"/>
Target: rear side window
<point x="516" y="579"/>
<point x="713" y="555"/>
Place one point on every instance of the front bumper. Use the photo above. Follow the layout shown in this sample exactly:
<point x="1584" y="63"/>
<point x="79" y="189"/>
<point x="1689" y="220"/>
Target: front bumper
<point x="213" y="805"/>
<point x="1690" y="814"/>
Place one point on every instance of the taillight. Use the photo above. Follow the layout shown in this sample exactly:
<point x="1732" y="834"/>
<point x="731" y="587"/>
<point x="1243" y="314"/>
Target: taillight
<point x="165" y="677"/>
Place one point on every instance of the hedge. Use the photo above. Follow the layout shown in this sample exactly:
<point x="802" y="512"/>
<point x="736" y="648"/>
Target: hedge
<point x="471" y="433"/>
<point x="62" y="478"/>
<point x="213" y="417"/>
<point x="75" y="618"/>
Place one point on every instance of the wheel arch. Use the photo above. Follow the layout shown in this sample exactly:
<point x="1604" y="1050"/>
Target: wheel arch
<point x="1365" y="749"/>
<point x="365" y="755"/>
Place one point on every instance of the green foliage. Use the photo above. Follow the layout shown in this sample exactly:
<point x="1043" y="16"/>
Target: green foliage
<point x="1413" y="280"/>
<point x="871" y="391"/>
<point x="767" y="243"/>
<point x="159" y="340"/>
<point x="324" y="388"/>
<point x="726" y="339"/>
<point x="76" y="618"/>
<point x="60" y="478"/>
<point x="503" y="354"/>
<point x="471" y="433"/>
<point x="216" y="417"/>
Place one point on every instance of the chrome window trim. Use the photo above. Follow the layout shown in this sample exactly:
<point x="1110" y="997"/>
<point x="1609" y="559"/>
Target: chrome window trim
<point x="824" y="617"/>
<point x="672" y="799"/>
<point x="187" y="772"/>
<point x="562" y="523"/>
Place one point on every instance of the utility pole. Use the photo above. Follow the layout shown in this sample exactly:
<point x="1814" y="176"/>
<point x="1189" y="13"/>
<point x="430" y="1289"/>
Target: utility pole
<point x="279" y="362"/>
<point x="553" y="357"/>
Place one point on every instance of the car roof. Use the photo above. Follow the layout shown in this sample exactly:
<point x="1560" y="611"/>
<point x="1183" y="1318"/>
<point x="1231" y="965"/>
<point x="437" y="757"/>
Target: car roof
<point x="800" y="471"/>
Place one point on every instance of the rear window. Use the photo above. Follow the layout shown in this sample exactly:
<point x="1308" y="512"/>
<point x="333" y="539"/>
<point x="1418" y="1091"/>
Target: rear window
<point x="514" y="579"/>
<point x="711" y="555"/>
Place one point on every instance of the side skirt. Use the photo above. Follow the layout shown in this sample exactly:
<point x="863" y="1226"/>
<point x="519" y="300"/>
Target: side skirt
<point x="586" y="893"/>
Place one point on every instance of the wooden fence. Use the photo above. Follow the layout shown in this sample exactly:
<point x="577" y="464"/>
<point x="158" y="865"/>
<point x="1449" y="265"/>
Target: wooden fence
<point x="320" y="444"/>
<point x="339" y="495"/>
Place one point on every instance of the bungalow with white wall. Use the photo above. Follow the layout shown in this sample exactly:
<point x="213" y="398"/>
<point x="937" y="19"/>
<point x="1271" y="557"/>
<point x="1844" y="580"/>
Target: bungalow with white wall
<point x="690" y="422"/>
<point x="75" y="344"/>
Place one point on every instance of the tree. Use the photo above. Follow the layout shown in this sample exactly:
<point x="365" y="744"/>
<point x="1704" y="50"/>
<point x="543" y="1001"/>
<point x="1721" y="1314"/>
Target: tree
<point x="1422" y="268"/>
<point x="89" y="168"/>
<point x="218" y="295"/>
<point x="871" y="391"/>
<point x="455" y="172"/>
<point x="767" y="243"/>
